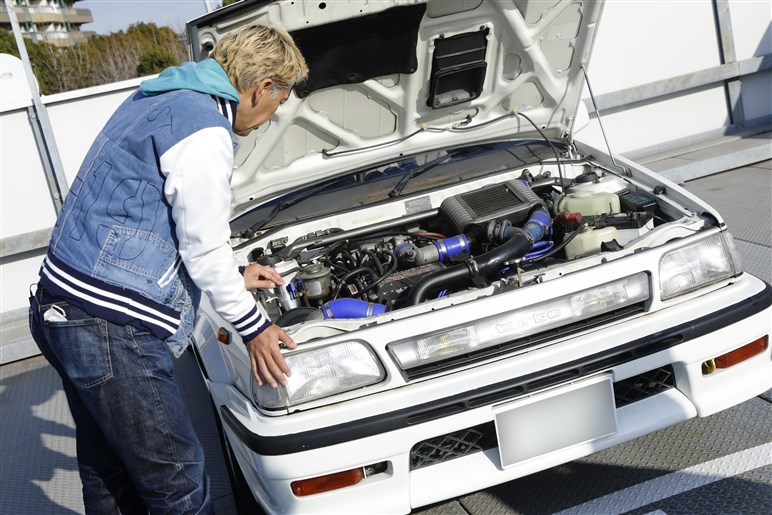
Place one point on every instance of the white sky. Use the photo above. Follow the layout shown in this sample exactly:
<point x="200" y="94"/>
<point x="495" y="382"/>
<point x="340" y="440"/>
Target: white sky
<point x="114" y="15"/>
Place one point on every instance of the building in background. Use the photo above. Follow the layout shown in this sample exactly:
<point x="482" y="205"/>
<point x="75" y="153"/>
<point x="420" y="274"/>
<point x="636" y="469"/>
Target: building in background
<point x="53" y="21"/>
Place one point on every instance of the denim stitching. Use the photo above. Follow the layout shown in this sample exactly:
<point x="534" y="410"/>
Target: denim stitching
<point x="103" y="326"/>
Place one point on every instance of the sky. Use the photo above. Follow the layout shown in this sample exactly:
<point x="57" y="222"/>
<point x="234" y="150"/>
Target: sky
<point x="114" y="15"/>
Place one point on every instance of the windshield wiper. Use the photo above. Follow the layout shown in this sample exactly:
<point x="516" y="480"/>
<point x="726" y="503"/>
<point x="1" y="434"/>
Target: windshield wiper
<point x="281" y="206"/>
<point x="415" y="172"/>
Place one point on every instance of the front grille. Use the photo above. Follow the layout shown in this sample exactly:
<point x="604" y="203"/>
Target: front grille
<point x="482" y="437"/>
<point x="525" y="342"/>
<point x="644" y="385"/>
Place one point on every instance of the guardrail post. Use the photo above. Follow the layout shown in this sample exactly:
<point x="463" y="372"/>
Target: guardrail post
<point x="732" y="87"/>
<point x="44" y="134"/>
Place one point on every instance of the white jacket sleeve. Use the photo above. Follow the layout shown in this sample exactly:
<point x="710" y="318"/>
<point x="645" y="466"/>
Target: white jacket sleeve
<point x="198" y="171"/>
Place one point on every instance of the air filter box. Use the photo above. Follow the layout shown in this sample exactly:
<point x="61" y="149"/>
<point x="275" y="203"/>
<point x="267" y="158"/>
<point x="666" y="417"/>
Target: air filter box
<point x="511" y="201"/>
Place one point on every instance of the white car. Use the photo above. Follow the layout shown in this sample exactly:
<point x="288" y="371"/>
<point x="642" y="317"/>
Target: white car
<point x="476" y="295"/>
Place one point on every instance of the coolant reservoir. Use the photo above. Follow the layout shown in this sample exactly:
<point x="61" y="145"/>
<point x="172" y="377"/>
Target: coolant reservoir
<point x="589" y="240"/>
<point x="589" y="203"/>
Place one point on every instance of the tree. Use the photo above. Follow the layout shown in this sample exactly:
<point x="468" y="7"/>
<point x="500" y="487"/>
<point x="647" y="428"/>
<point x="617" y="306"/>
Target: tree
<point x="155" y="59"/>
<point x="39" y="56"/>
<point x="143" y="49"/>
<point x="8" y="43"/>
<point x="118" y="55"/>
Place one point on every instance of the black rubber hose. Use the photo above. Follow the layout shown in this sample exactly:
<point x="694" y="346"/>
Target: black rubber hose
<point x="391" y="270"/>
<point x="488" y="264"/>
<point x="554" y="250"/>
<point x="353" y="273"/>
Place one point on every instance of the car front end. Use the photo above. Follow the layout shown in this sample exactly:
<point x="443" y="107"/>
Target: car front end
<point x="475" y="294"/>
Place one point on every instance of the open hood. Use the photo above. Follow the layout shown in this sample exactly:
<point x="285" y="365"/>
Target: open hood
<point x="391" y="78"/>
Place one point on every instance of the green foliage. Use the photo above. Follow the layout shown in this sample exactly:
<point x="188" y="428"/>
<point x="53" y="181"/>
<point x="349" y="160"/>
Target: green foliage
<point x="8" y="43"/>
<point x="39" y="59"/>
<point x="229" y="2"/>
<point x="142" y="49"/>
<point x="155" y="59"/>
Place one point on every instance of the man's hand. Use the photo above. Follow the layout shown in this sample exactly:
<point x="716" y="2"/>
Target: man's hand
<point x="259" y="276"/>
<point x="267" y="362"/>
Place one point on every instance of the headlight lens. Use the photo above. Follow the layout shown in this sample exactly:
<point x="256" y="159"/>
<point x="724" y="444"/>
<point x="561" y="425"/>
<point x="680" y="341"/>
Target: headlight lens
<point x="321" y="372"/>
<point x="515" y="324"/>
<point x="699" y="264"/>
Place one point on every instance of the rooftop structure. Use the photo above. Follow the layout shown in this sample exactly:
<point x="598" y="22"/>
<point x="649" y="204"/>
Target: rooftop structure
<point x="54" y="21"/>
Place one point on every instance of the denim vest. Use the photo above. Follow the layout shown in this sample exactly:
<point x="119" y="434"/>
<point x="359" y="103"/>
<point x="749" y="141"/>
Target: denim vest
<point x="113" y="250"/>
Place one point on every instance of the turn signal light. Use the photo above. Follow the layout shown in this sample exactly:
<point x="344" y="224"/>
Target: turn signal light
<point x="736" y="356"/>
<point x="223" y="336"/>
<point x="746" y="351"/>
<point x="317" y="485"/>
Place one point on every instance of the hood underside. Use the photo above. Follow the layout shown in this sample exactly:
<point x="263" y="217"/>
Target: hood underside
<point x="395" y="77"/>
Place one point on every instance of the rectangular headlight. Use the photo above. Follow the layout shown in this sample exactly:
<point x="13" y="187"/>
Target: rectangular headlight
<point x="697" y="265"/>
<point x="321" y="372"/>
<point x="515" y="324"/>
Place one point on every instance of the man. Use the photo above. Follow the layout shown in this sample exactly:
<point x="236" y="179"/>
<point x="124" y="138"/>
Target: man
<point x="144" y="229"/>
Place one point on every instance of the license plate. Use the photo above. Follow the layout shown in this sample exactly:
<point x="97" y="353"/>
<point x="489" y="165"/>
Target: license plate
<point x="556" y="419"/>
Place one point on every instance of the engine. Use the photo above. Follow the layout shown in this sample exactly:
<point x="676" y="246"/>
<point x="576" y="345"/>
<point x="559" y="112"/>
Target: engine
<point x="473" y="240"/>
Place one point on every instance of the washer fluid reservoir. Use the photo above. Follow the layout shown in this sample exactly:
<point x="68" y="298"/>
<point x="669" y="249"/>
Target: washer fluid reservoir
<point x="592" y="195"/>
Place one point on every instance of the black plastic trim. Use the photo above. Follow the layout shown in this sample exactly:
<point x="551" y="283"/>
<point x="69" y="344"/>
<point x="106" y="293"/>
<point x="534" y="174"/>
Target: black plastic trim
<point x="391" y="421"/>
<point x="357" y="49"/>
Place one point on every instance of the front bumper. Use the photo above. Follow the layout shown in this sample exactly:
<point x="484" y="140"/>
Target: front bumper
<point x="682" y="337"/>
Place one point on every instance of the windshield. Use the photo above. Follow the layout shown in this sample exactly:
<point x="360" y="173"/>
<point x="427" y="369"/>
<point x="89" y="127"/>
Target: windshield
<point x="405" y="177"/>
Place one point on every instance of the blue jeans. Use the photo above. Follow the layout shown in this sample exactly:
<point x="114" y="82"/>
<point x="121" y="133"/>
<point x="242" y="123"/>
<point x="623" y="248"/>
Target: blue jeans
<point x="137" y="451"/>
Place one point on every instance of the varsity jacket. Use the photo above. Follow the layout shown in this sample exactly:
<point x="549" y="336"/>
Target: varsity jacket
<point x="144" y="228"/>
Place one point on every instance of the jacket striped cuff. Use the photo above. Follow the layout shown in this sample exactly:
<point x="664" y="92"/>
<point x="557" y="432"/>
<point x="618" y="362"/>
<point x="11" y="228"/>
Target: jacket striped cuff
<point x="251" y="324"/>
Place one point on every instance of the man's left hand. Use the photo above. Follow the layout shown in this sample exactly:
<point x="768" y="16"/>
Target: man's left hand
<point x="259" y="276"/>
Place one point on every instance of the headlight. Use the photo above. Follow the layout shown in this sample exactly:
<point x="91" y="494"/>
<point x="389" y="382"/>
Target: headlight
<point x="322" y="372"/>
<point x="533" y="319"/>
<point x="699" y="264"/>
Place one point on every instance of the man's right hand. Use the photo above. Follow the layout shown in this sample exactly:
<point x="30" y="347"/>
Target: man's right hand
<point x="268" y="364"/>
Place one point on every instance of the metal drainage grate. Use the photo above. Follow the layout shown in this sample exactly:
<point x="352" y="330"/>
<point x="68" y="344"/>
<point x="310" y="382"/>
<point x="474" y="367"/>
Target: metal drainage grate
<point x="479" y="438"/>
<point x="644" y="385"/>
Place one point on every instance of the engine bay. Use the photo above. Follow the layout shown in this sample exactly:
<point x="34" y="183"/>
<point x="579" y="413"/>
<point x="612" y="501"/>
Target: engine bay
<point x="481" y="238"/>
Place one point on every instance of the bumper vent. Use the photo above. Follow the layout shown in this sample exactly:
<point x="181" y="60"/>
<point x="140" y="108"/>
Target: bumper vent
<point x="642" y="386"/>
<point x="453" y="445"/>
<point x="482" y="437"/>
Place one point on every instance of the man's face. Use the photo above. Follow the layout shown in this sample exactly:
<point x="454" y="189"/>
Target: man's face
<point x="256" y="106"/>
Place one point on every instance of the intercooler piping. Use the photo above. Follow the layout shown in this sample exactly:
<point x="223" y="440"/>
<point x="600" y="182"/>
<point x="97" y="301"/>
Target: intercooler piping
<point x="351" y="308"/>
<point x="516" y="243"/>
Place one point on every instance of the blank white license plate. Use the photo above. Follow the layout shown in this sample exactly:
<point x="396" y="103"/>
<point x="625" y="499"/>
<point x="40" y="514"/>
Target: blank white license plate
<point x="555" y="419"/>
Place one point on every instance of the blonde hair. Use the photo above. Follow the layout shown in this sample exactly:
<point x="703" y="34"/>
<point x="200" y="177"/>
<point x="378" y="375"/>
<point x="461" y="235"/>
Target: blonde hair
<point x="258" y="52"/>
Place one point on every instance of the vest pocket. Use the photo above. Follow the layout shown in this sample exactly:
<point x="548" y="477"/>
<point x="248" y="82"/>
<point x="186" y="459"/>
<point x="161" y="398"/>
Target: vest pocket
<point x="143" y="262"/>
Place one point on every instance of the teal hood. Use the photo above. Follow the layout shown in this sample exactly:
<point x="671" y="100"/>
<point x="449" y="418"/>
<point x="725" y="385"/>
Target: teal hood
<point x="206" y="76"/>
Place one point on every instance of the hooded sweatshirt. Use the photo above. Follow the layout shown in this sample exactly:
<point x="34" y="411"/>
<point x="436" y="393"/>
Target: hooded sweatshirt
<point x="144" y="228"/>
